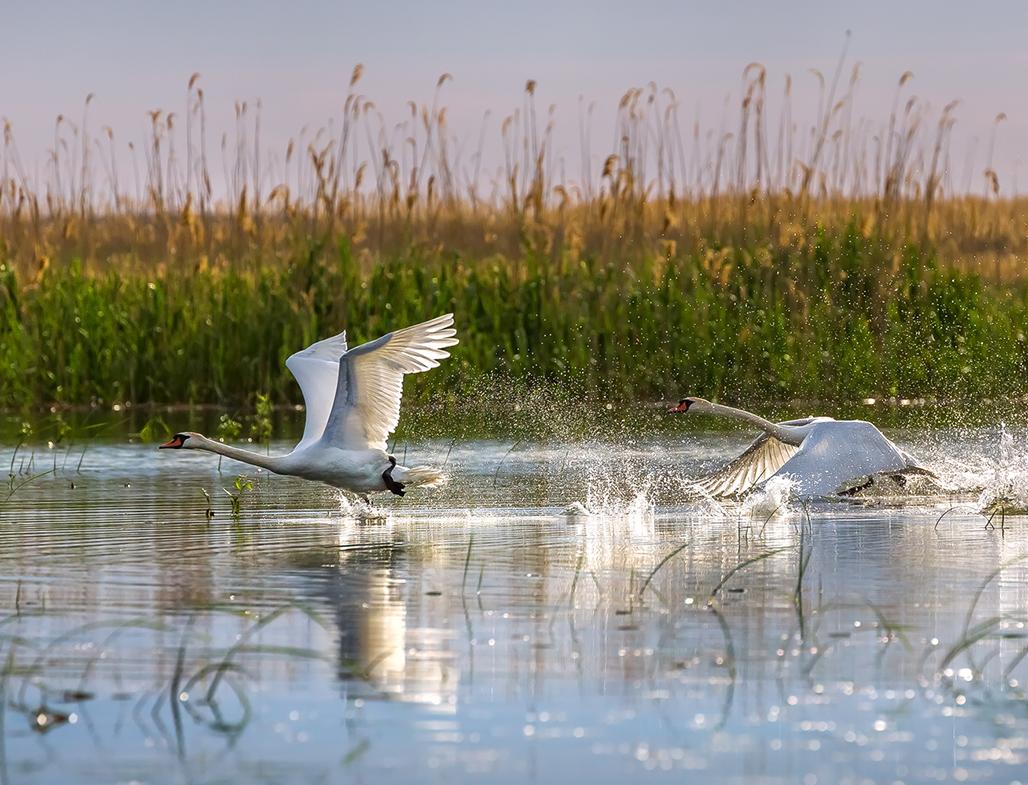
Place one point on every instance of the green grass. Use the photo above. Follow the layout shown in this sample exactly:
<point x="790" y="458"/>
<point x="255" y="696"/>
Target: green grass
<point x="840" y="317"/>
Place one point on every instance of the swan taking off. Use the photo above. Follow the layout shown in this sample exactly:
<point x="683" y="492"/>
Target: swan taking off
<point x="822" y="456"/>
<point x="352" y="398"/>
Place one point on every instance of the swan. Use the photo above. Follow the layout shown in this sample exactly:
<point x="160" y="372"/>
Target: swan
<point x="352" y="399"/>
<point x="821" y="455"/>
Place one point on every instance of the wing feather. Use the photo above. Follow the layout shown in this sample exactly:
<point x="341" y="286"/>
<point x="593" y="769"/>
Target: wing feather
<point x="369" y="386"/>
<point x="316" y="369"/>
<point x="761" y="460"/>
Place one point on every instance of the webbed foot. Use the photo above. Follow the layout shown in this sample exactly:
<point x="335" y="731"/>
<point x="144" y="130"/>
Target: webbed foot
<point x="392" y="485"/>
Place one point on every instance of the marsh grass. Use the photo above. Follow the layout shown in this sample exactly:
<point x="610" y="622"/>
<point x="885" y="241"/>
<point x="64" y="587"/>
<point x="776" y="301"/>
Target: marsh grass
<point x="774" y="258"/>
<point x="209" y="686"/>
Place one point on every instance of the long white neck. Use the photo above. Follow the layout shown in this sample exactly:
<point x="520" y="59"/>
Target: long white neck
<point x="790" y="434"/>
<point x="272" y="463"/>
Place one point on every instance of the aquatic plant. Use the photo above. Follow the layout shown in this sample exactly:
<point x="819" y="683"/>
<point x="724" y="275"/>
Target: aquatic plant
<point x="835" y="258"/>
<point x="843" y="319"/>
<point x="154" y="429"/>
<point x="228" y="429"/>
<point x="261" y="426"/>
<point x="209" y="511"/>
<point x="242" y="484"/>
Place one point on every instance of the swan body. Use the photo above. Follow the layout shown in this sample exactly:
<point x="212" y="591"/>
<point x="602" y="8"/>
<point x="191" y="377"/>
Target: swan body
<point x="820" y="455"/>
<point x="352" y="399"/>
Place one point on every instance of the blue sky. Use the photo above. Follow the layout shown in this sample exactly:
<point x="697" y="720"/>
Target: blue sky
<point x="297" y="57"/>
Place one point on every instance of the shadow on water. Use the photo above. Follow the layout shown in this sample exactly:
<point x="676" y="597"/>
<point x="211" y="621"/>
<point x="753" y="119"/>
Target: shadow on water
<point x="483" y="631"/>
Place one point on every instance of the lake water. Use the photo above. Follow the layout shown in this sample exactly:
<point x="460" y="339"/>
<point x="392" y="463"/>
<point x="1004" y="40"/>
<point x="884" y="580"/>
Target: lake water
<point x="479" y="631"/>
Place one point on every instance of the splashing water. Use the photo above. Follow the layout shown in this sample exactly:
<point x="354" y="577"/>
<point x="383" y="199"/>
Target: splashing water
<point x="603" y="498"/>
<point x="1006" y="480"/>
<point x="360" y="510"/>
<point x="577" y="510"/>
<point x="611" y="496"/>
<point x="771" y="499"/>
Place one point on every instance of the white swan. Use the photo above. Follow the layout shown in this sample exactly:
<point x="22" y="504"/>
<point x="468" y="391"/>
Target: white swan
<point x="352" y="398"/>
<point x="821" y="455"/>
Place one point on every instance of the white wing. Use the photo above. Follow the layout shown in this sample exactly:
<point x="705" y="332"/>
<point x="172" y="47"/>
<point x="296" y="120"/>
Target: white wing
<point x="838" y="454"/>
<point x="316" y="369"/>
<point x="369" y="386"/>
<point x="765" y="456"/>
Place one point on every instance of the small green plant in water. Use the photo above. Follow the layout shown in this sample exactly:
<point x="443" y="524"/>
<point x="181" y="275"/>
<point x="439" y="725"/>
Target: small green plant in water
<point x="228" y="430"/>
<point x="260" y="429"/>
<point x="62" y="428"/>
<point x="24" y="433"/>
<point x="209" y="512"/>
<point x="242" y="484"/>
<point x="154" y="429"/>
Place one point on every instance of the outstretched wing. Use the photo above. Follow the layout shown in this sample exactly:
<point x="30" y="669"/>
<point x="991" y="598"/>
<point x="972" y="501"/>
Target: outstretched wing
<point x="369" y="385"/>
<point x="765" y="456"/>
<point x="835" y="458"/>
<point x="316" y="369"/>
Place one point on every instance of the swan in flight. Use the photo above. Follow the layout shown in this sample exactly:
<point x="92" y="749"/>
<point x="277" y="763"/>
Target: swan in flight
<point x="352" y="399"/>
<point x="823" y="456"/>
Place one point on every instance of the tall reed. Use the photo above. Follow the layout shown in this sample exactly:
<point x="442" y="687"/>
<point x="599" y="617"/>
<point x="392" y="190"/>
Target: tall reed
<point x="386" y="185"/>
<point x="834" y="257"/>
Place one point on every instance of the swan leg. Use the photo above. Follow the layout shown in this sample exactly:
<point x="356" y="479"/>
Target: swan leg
<point x="387" y="476"/>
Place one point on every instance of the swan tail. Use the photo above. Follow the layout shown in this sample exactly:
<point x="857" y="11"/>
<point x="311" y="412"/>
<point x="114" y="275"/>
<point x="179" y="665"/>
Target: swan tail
<point x="425" y="476"/>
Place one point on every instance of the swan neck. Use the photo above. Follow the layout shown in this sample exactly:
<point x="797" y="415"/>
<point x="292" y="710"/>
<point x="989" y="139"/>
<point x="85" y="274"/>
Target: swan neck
<point x="784" y="433"/>
<point x="270" y="462"/>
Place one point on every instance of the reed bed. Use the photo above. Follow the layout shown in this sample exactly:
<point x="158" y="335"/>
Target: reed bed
<point x="834" y="257"/>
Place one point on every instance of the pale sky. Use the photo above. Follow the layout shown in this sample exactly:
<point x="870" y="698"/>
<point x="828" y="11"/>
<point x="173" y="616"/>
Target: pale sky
<point x="297" y="57"/>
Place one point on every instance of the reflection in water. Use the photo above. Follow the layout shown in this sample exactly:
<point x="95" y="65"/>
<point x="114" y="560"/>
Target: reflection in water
<point x="481" y="631"/>
<point x="399" y="653"/>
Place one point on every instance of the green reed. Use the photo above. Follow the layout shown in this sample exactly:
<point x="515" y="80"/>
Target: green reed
<point x="843" y="315"/>
<point x="832" y="258"/>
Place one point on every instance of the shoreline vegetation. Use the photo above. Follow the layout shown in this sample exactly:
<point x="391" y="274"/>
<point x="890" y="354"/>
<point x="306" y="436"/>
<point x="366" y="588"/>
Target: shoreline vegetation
<point x="837" y="258"/>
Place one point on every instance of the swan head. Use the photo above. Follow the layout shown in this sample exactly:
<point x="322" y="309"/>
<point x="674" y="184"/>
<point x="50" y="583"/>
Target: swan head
<point x="695" y="405"/>
<point x="182" y="441"/>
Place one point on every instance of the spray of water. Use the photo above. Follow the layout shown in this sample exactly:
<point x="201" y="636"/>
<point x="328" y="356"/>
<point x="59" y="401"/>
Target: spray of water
<point x="771" y="499"/>
<point x="360" y="510"/>
<point x="611" y="496"/>
<point x="1006" y="478"/>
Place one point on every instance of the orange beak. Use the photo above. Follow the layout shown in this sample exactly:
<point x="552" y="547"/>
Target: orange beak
<point x="175" y="443"/>
<point x="681" y="407"/>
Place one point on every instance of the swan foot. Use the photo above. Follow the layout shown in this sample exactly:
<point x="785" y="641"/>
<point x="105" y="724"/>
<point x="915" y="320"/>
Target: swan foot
<point x="857" y="489"/>
<point x="392" y="485"/>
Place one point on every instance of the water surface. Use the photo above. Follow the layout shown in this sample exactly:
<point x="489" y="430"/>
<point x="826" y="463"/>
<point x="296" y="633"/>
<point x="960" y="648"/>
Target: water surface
<point x="481" y="631"/>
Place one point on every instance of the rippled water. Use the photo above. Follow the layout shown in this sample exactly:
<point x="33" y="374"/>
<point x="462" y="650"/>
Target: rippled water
<point x="483" y="630"/>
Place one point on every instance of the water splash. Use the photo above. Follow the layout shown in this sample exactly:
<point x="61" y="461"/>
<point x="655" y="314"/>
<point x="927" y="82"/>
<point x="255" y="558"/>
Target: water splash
<point x="609" y="495"/>
<point x="602" y="499"/>
<point x="577" y="510"/>
<point x="1006" y="479"/>
<point x="360" y="510"/>
<point x="772" y="498"/>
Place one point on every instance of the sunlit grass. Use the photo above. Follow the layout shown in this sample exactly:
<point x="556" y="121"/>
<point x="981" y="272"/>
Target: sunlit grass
<point x="833" y="257"/>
